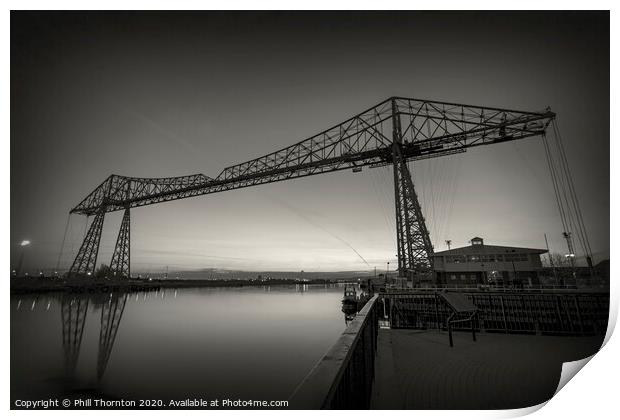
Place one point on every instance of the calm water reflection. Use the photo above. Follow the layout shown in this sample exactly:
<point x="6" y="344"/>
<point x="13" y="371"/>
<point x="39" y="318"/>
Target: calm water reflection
<point x="249" y="343"/>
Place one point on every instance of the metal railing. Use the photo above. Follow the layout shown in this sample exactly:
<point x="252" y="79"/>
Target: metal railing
<point x="533" y="313"/>
<point x="471" y="319"/>
<point x="343" y="378"/>
<point x="570" y="314"/>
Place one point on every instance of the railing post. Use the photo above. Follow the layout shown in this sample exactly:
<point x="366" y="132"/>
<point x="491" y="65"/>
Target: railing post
<point x="473" y="326"/>
<point x="501" y="299"/>
<point x="437" y="312"/>
<point x="449" y="322"/>
<point x="578" y="314"/>
<point x="558" y="311"/>
<point x="489" y="310"/>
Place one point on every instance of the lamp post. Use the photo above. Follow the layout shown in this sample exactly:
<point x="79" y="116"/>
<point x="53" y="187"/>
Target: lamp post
<point x="571" y="258"/>
<point x="23" y="246"/>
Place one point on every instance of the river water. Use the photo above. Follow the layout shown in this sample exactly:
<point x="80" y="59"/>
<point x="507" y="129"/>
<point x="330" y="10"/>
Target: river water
<point x="247" y="343"/>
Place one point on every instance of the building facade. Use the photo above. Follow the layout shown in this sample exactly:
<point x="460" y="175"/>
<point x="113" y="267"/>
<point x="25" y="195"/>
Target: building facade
<point x="488" y="265"/>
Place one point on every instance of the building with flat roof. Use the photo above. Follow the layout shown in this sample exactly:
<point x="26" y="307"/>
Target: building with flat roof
<point x="492" y="265"/>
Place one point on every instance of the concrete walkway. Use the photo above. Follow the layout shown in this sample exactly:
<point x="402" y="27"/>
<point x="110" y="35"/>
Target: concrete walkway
<point x="419" y="370"/>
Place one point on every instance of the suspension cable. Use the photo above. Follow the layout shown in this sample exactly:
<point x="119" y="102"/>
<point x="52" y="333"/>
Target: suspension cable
<point x="62" y="245"/>
<point x="556" y="192"/>
<point x="573" y="194"/>
<point x="565" y="193"/>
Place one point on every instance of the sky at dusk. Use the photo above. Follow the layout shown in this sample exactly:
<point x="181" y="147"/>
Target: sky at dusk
<point x="170" y="94"/>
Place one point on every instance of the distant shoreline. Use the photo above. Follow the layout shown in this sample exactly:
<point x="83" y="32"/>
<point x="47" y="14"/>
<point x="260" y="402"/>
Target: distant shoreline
<point x="22" y="286"/>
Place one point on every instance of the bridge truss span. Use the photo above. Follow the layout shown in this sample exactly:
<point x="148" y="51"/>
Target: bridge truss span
<point x="392" y="132"/>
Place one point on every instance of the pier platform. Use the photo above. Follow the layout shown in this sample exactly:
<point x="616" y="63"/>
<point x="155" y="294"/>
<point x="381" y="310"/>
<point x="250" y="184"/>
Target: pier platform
<point x="419" y="370"/>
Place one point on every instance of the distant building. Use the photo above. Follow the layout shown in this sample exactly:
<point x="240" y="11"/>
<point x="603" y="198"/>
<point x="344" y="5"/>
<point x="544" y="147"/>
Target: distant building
<point x="492" y="265"/>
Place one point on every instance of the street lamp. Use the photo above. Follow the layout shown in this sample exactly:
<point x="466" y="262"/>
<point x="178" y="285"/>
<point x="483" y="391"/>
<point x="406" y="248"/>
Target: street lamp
<point x="23" y="244"/>
<point x="571" y="258"/>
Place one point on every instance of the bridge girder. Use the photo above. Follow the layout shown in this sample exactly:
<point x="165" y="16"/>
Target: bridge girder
<point x="429" y="129"/>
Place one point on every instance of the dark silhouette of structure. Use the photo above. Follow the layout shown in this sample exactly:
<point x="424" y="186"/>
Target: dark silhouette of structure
<point x="111" y="314"/>
<point x="73" y="312"/>
<point x="74" y="309"/>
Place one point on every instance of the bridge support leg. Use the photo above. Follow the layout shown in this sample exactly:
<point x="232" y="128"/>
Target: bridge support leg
<point x="412" y="237"/>
<point x="86" y="258"/>
<point x="120" y="265"/>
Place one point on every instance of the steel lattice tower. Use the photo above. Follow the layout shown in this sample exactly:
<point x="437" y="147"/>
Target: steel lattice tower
<point x="86" y="258"/>
<point x="120" y="264"/>
<point x="413" y="241"/>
